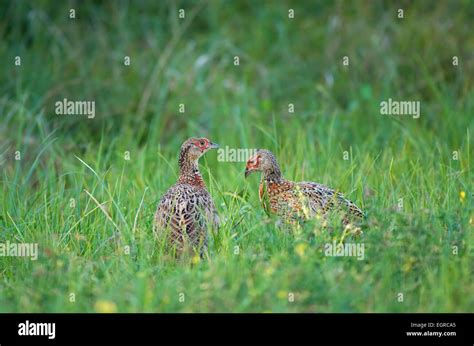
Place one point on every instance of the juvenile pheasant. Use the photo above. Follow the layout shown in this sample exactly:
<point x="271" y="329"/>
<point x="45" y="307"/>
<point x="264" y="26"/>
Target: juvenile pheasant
<point x="186" y="210"/>
<point x="291" y="199"/>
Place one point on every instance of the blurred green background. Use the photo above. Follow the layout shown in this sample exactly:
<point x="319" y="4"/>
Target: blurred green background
<point x="402" y="171"/>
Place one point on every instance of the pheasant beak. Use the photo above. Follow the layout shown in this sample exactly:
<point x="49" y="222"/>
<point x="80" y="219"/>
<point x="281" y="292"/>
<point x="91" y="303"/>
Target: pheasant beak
<point x="248" y="171"/>
<point x="213" y="145"/>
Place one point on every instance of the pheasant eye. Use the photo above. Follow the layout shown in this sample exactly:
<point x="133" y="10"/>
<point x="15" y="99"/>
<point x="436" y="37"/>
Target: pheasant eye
<point x="202" y="143"/>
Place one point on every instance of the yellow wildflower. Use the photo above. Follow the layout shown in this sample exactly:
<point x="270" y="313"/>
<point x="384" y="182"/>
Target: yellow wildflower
<point x="269" y="270"/>
<point x="196" y="259"/>
<point x="105" y="306"/>
<point x="282" y="294"/>
<point x="300" y="249"/>
<point x="408" y="265"/>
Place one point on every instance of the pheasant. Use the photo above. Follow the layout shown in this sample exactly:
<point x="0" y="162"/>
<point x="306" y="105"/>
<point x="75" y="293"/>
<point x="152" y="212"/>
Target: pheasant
<point x="186" y="210"/>
<point x="294" y="199"/>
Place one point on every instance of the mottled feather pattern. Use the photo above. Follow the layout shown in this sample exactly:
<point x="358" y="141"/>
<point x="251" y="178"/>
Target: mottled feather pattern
<point x="186" y="211"/>
<point x="296" y="199"/>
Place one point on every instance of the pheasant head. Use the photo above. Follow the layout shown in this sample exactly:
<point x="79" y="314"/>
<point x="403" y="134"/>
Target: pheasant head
<point x="264" y="161"/>
<point x="191" y="150"/>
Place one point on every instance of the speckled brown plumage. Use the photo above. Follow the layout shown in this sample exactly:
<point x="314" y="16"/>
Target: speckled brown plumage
<point x="294" y="199"/>
<point x="186" y="210"/>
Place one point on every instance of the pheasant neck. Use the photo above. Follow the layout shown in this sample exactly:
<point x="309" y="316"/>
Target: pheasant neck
<point x="273" y="176"/>
<point x="189" y="174"/>
<point x="189" y="170"/>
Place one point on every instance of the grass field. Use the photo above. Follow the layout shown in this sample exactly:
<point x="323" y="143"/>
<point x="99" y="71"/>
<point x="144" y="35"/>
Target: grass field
<point x="85" y="190"/>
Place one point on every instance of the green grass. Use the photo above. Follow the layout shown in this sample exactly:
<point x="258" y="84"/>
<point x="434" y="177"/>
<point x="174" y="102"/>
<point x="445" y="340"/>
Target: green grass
<point x="46" y="197"/>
